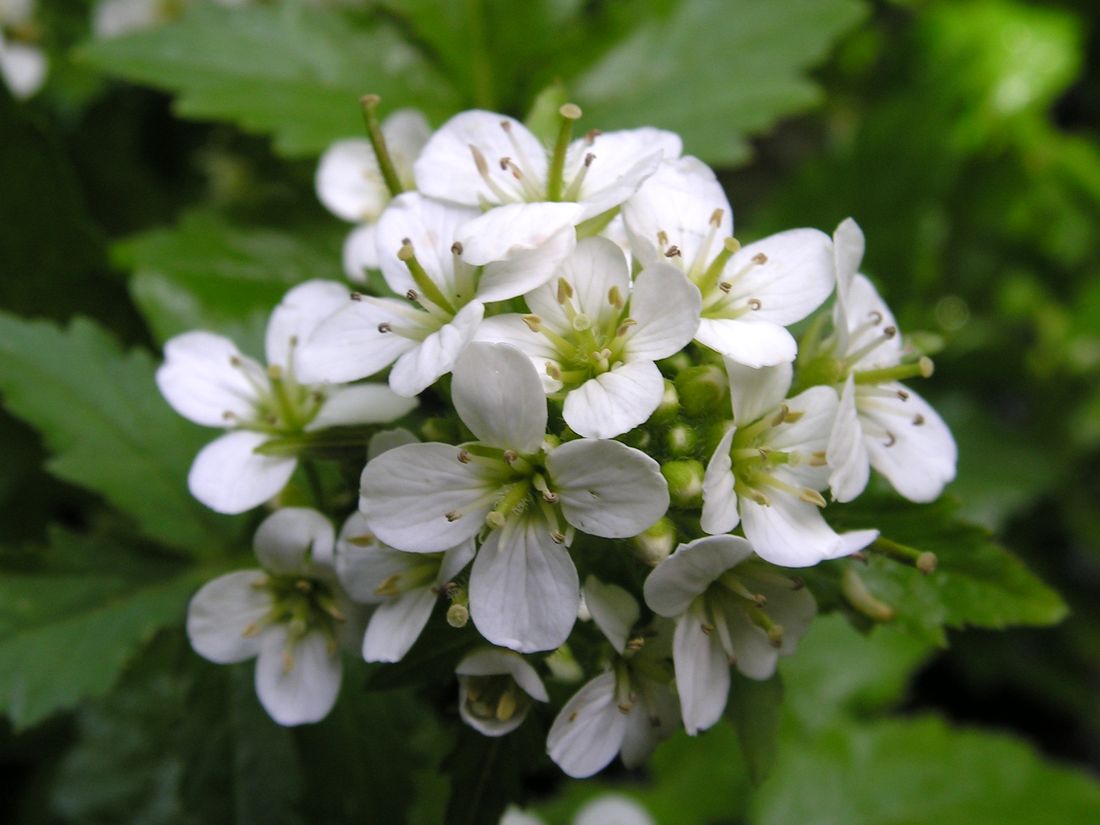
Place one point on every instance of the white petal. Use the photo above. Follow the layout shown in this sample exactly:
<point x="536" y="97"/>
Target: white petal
<point x="678" y="200"/>
<point x="756" y="656"/>
<point x="719" y="497"/>
<point x="607" y="489"/>
<point x="589" y="731"/>
<point x="490" y="662"/>
<point x="796" y="278"/>
<point x="846" y="453"/>
<point x="360" y="404"/>
<point x="524" y="589"/>
<point x="624" y="159"/>
<point x="510" y="329"/>
<point x="612" y="809"/>
<point x="307" y="691"/>
<point x="615" y="402"/>
<point x="817" y="408"/>
<point x="229" y="477"/>
<point x="396" y="624"/>
<point x="298" y="316"/>
<point x="514" y="816"/>
<point x="23" y="68"/>
<point x="666" y="306"/>
<point x="848" y="248"/>
<point x="223" y="617"/>
<point x="923" y="456"/>
<point x="350" y="345"/>
<point x="359" y="252"/>
<point x="655" y="718"/>
<point x="454" y="560"/>
<point x="349" y="182"/>
<point x="793" y="608"/>
<point x="754" y="343"/>
<point x="702" y="673"/>
<point x="755" y="392"/>
<point x="431" y="227"/>
<point x="521" y="246"/>
<point x="363" y="567"/>
<point x="446" y="168"/>
<point x="499" y="396"/>
<point x="406" y="132"/>
<point x="865" y="304"/>
<point x="791" y="532"/>
<point x="435" y="356"/>
<point x="292" y="539"/>
<point x="687" y="573"/>
<point x="199" y="379"/>
<point x="405" y="494"/>
<point x="613" y="609"/>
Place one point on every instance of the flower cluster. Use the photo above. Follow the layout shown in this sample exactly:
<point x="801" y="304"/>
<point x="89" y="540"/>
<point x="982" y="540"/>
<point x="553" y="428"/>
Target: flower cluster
<point x="607" y="387"/>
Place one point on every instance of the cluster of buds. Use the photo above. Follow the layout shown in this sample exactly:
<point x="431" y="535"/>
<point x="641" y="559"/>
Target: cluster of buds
<point x="606" y="386"/>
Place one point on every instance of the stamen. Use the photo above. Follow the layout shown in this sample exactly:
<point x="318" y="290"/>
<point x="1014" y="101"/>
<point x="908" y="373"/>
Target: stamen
<point x="428" y="287"/>
<point x="483" y="170"/>
<point x="672" y="252"/>
<point x="755" y="304"/>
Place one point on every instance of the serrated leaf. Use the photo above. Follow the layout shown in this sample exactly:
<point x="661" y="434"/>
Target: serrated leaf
<point x="976" y="583"/>
<point x="66" y="634"/>
<point x="920" y="772"/>
<point x="715" y="74"/>
<point x="107" y="427"/>
<point x="291" y="71"/>
<point x="754" y="711"/>
<point x="206" y="273"/>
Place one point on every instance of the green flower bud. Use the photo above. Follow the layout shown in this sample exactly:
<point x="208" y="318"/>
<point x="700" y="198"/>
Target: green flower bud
<point x="685" y="482"/>
<point x="681" y="439"/>
<point x="703" y="390"/>
<point x="669" y="408"/>
<point x="439" y="429"/>
<point x="655" y="544"/>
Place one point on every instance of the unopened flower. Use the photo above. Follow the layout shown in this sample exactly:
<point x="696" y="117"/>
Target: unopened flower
<point x="749" y="294"/>
<point x="769" y="468"/>
<point x="207" y="380"/>
<point x="23" y="64"/>
<point x="880" y="422"/>
<point x="524" y="498"/>
<point x="350" y="184"/>
<point x="729" y="610"/>
<point x="596" y="336"/>
<point x="289" y="615"/>
<point x="496" y="689"/>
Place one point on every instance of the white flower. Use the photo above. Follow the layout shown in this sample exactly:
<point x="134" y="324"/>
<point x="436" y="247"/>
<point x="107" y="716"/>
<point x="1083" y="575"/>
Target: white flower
<point x="114" y="18"/>
<point x="207" y="380"/>
<point x="607" y="809"/>
<point x="23" y="67"/>
<point x="596" y="337"/>
<point x="881" y="422"/>
<point x="768" y="469"/>
<point x="527" y="496"/>
<point x="749" y="294"/>
<point x="444" y="295"/>
<point x="349" y="182"/>
<point x="405" y="586"/>
<point x="748" y="617"/>
<point x="484" y="159"/>
<point x="629" y="707"/>
<point x="288" y="614"/>
<point x="495" y="690"/>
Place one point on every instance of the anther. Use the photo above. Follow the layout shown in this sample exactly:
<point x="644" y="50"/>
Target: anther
<point x="588" y="158"/>
<point x="918" y="420"/>
<point x="812" y="497"/>
<point x="891" y="439"/>
<point x="875" y="316"/>
<point x="759" y="259"/>
<point x="456" y="248"/>
<point x="550" y="496"/>
<point x="384" y="327"/>
<point x="591" y="135"/>
<point x="558" y="537"/>
<point x="889" y="332"/>
<point x="903" y="395"/>
<point x="725" y="286"/>
<point x="755" y="304"/>
<point x="274" y="372"/>
<point x="707" y="628"/>
<point x="672" y="252"/>
<point x="288" y="662"/>
<point x="624" y="327"/>
<point x="534" y="322"/>
<point x="464" y="456"/>
<point x="495" y="519"/>
<point x="510" y="456"/>
<point x="553" y="371"/>
<point x="253" y="629"/>
<point x="356" y="296"/>
<point x="662" y="238"/>
<point x="565" y="290"/>
<point x="615" y="298"/>
<point x="452" y="516"/>
<point x="716" y="217"/>
<point x="412" y="295"/>
<point x="781" y="415"/>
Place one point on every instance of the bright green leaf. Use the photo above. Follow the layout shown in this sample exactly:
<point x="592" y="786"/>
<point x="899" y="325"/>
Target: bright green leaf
<point x="714" y="73"/>
<point x="976" y="583"/>
<point x="293" y="72"/>
<point x="107" y="426"/>
<point x="920" y="772"/>
<point x="754" y="710"/>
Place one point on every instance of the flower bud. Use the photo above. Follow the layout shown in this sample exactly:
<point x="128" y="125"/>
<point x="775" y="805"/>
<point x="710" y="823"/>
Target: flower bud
<point x="681" y="440"/>
<point x="439" y="429"/>
<point x="685" y="482"/>
<point x="669" y="407"/>
<point x="703" y="390"/>
<point x="655" y="544"/>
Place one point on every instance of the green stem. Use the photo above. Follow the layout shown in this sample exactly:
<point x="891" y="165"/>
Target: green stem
<point x="369" y="104"/>
<point x="481" y="70"/>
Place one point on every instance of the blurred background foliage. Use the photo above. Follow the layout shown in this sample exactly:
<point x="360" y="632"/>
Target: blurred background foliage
<point x="162" y="181"/>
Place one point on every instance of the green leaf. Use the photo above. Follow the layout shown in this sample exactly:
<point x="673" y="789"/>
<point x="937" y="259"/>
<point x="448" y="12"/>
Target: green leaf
<point x="293" y="72"/>
<point x="206" y="273"/>
<point x="976" y="583"/>
<point x="839" y="672"/>
<point x="107" y="426"/>
<point x="67" y="631"/>
<point x="920" y="772"/>
<point x="754" y="710"/>
<point x="487" y="772"/>
<point x="714" y="74"/>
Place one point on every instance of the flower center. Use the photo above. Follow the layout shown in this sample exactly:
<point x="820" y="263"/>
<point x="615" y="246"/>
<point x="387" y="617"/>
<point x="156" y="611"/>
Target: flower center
<point x="302" y="603"/>
<point x="755" y="462"/>
<point x="495" y="697"/>
<point x="283" y="405"/>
